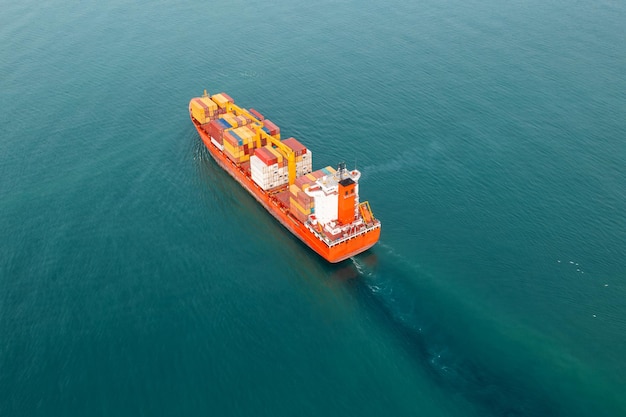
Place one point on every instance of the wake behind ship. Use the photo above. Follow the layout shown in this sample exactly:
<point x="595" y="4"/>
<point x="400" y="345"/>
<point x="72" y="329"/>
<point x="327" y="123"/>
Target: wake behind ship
<point x="321" y="207"/>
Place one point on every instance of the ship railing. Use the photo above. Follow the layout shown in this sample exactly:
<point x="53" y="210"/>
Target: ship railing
<point x="335" y="242"/>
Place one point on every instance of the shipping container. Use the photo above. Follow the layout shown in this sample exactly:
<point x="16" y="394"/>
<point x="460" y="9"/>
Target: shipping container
<point x="203" y="109"/>
<point x="256" y="114"/>
<point x="245" y="134"/>
<point x="267" y="180"/>
<point x="293" y="189"/>
<point x="318" y="174"/>
<point x="224" y="123"/>
<point x="216" y="130"/>
<point x="266" y="156"/>
<point x="270" y="128"/>
<point x="231" y="119"/>
<point x="303" y="181"/>
<point x="222" y="99"/>
<point x="275" y="151"/>
<point x="295" y="205"/>
<point x="232" y="139"/>
<point x="297" y="148"/>
<point x="227" y="97"/>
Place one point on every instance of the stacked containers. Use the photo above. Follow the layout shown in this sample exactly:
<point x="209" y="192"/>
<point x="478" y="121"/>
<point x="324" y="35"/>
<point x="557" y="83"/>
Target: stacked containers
<point x="239" y="143"/>
<point x="216" y="130"/>
<point x="270" y="128"/>
<point x="230" y="121"/>
<point x="235" y="121"/>
<point x="249" y="138"/>
<point x="300" y="203"/>
<point x="233" y="147"/>
<point x="203" y="109"/>
<point x="217" y="127"/>
<point x="267" y="168"/>
<point x="303" y="156"/>
<point x="305" y="181"/>
<point x="222" y="99"/>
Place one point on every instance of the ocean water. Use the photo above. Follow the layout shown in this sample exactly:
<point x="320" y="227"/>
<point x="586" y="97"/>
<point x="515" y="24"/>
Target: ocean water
<point x="138" y="279"/>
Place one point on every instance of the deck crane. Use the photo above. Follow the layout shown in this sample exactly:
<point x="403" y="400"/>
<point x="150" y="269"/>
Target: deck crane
<point x="274" y="140"/>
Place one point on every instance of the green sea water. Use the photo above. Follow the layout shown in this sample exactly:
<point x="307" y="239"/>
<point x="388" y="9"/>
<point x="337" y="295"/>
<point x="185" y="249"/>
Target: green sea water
<point x="138" y="279"/>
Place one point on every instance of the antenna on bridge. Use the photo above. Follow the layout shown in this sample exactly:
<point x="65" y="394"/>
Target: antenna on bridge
<point x="342" y="169"/>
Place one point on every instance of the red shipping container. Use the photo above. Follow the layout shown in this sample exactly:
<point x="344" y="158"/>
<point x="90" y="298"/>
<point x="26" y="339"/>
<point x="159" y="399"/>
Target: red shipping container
<point x="216" y="131"/>
<point x="298" y="214"/>
<point x="318" y="174"/>
<point x="230" y="139"/>
<point x="266" y="156"/>
<point x="296" y="146"/>
<point x="301" y="181"/>
<point x="304" y="200"/>
<point x="271" y="127"/>
<point x="257" y="114"/>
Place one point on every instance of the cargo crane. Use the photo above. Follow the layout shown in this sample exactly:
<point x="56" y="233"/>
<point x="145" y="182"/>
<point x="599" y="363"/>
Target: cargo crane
<point x="261" y="134"/>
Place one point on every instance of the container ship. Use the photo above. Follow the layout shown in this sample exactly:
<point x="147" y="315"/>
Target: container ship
<point x="321" y="207"/>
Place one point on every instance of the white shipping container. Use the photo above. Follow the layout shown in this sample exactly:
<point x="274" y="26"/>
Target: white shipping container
<point x="269" y="180"/>
<point x="265" y="172"/>
<point x="272" y="176"/>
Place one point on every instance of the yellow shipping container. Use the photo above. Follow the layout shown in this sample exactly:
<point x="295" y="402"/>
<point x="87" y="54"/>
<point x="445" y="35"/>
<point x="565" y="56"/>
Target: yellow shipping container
<point x="331" y="169"/>
<point x="209" y="103"/>
<point x="253" y="135"/>
<point x="220" y="100"/>
<point x="230" y="119"/>
<point x="250" y="138"/>
<point x="202" y="109"/>
<point x="244" y="133"/>
<point x="237" y="121"/>
<point x="242" y="120"/>
<point x="233" y="150"/>
<point x="239" y="132"/>
<point x="198" y="113"/>
<point x="294" y="190"/>
<point x="236" y="158"/>
<point x="311" y="177"/>
<point x="251" y="130"/>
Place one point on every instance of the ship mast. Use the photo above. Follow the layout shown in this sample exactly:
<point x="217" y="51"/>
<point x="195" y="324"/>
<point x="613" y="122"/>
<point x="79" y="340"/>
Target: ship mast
<point x="341" y="168"/>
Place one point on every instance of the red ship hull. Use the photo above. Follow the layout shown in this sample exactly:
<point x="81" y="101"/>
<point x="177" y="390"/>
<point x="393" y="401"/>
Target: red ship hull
<point x="335" y="251"/>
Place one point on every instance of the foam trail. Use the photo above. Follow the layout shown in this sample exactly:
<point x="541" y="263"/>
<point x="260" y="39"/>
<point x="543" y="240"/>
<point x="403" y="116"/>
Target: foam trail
<point x="430" y="324"/>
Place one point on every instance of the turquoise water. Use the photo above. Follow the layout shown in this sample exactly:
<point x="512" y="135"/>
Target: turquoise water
<point x="136" y="278"/>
